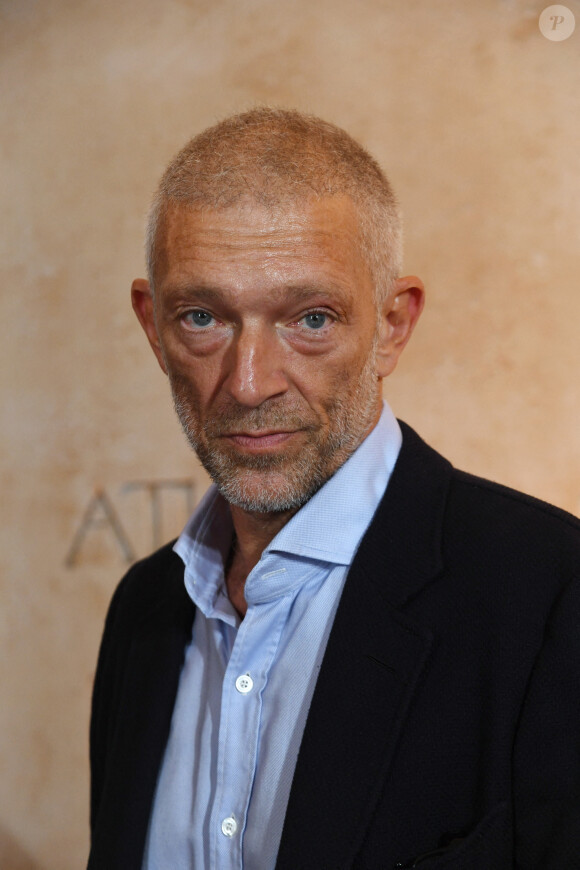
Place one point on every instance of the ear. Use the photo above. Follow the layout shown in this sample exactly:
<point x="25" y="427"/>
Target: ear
<point x="144" y="308"/>
<point x="400" y="312"/>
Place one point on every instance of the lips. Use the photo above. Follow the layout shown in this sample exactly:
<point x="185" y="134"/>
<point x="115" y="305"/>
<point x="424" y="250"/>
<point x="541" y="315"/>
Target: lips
<point x="259" y="440"/>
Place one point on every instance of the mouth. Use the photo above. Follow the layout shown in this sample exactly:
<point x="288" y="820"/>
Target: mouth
<point x="261" y="440"/>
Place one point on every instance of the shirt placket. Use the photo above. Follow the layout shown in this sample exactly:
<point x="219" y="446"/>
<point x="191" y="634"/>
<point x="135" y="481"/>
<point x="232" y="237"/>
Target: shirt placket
<point x="244" y="682"/>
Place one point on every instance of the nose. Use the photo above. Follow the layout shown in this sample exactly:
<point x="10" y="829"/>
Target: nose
<point x="254" y="367"/>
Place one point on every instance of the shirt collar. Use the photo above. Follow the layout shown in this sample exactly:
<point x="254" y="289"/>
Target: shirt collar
<point x="203" y="547"/>
<point x="331" y="524"/>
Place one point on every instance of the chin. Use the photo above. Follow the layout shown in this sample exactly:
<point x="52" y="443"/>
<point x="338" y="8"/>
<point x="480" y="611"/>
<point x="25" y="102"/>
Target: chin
<point x="264" y="493"/>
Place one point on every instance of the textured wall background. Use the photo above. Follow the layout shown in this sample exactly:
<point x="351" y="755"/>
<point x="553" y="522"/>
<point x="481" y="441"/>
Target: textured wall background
<point x="476" y="117"/>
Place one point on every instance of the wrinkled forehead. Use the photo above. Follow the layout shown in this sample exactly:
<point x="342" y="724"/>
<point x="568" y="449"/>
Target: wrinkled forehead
<point x="319" y="228"/>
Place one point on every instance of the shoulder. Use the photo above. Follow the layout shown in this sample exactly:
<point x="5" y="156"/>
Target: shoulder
<point x="152" y="583"/>
<point x="507" y="519"/>
<point x="483" y="523"/>
<point x="146" y="574"/>
<point x="479" y="499"/>
<point x="149" y="603"/>
<point x="515" y="544"/>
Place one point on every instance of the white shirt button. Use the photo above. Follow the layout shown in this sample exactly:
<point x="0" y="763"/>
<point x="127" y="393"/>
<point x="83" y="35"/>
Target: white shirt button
<point x="244" y="684"/>
<point x="229" y="826"/>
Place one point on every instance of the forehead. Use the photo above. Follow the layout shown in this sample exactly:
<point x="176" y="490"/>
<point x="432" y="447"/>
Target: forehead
<point x="291" y="241"/>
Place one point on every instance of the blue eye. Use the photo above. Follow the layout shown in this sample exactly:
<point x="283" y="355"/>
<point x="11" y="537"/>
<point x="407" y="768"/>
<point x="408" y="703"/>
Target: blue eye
<point x="199" y="318"/>
<point x="315" y="320"/>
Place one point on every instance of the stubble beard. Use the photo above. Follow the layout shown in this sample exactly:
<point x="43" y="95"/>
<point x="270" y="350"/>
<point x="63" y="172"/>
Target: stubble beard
<point x="279" y="482"/>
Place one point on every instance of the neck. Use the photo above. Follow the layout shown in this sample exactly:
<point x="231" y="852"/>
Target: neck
<point x="253" y="533"/>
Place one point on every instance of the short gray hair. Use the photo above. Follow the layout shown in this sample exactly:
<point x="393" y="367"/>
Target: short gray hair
<point x="273" y="156"/>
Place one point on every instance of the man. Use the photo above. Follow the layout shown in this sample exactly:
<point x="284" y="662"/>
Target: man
<point x="354" y="656"/>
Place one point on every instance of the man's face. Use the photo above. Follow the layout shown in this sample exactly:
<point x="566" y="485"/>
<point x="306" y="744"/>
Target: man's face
<point x="266" y="324"/>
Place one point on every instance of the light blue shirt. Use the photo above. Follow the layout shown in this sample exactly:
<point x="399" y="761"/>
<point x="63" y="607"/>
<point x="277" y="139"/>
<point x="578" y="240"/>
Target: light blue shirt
<point x="246" y="685"/>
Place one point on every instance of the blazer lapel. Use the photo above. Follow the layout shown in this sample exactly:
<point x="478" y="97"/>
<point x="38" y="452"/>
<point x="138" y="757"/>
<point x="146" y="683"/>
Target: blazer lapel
<point x="373" y="661"/>
<point x="151" y="677"/>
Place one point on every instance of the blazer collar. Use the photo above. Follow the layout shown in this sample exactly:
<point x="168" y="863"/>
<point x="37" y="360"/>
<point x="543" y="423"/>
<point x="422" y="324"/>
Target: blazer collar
<point x="405" y="535"/>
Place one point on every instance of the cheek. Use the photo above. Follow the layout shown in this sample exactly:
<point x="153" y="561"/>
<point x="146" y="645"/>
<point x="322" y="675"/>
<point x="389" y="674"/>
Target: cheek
<point x="190" y="386"/>
<point x="323" y="385"/>
<point x="342" y="372"/>
<point x="197" y="373"/>
<point x="352" y="383"/>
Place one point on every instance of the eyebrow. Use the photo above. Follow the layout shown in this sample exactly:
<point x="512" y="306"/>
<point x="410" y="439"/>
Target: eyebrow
<point x="187" y="290"/>
<point x="294" y="292"/>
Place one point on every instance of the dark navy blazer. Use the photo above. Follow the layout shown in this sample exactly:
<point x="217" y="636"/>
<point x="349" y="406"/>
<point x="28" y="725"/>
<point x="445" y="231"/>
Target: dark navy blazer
<point x="444" y="731"/>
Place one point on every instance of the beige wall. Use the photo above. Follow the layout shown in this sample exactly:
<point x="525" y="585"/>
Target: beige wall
<point x="476" y="117"/>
